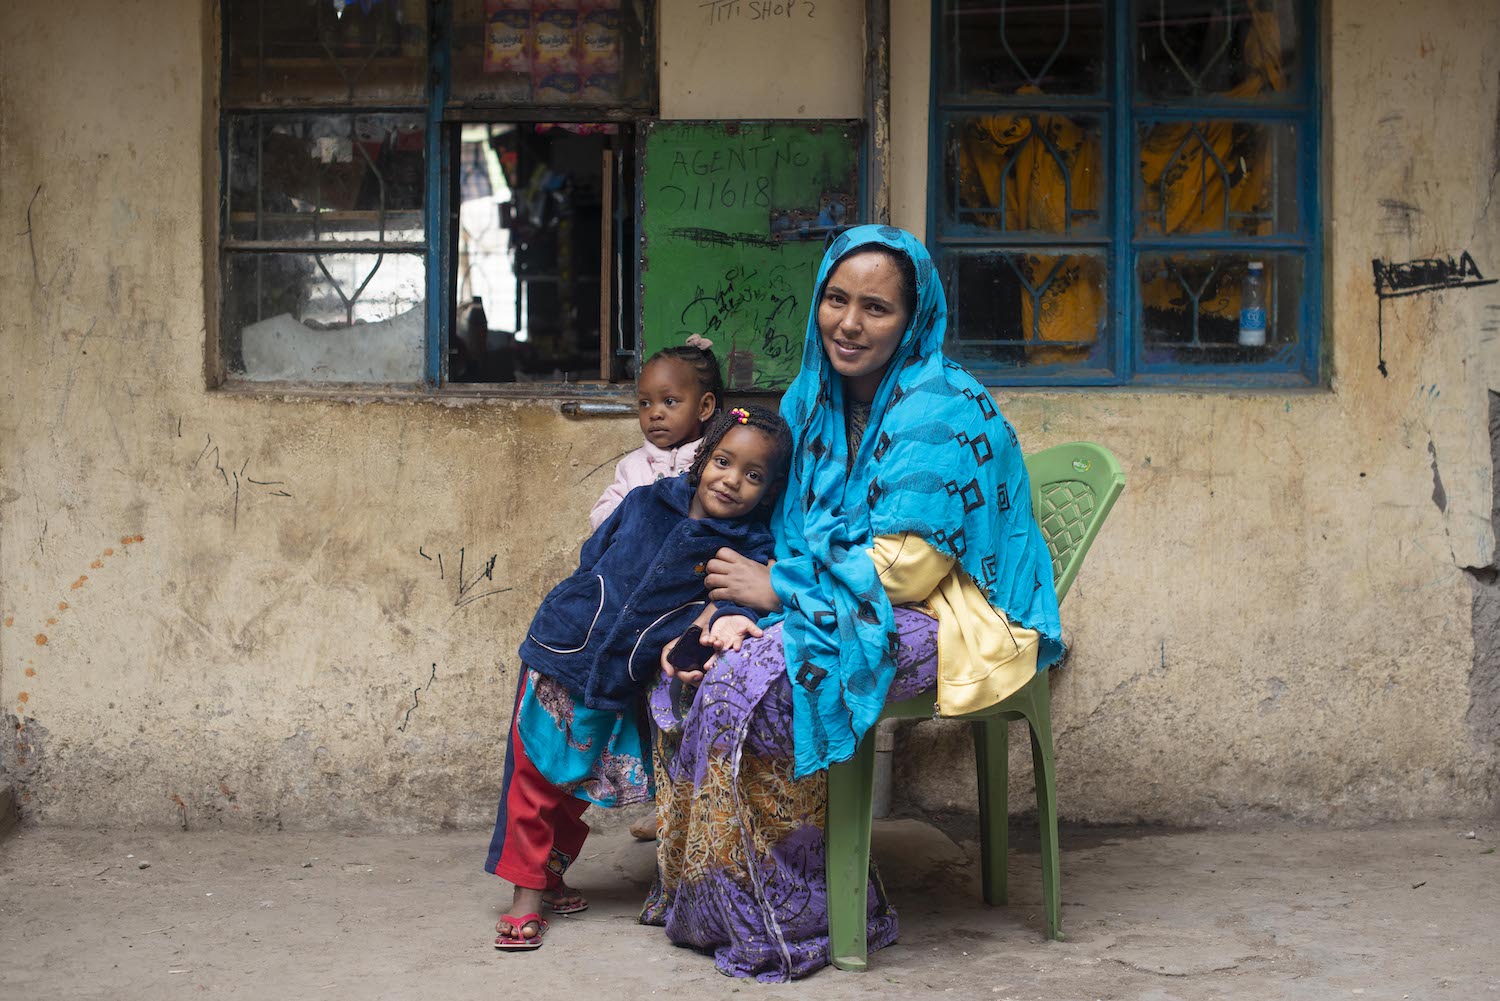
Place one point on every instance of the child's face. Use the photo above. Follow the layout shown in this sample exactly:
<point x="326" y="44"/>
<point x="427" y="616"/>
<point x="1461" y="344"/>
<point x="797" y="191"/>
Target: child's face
<point x="672" y="407"/>
<point x="737" y="476"/>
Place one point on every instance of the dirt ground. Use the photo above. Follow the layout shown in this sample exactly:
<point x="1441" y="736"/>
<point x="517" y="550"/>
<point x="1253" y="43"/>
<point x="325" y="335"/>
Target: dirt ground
<point x="1410" y="912"/>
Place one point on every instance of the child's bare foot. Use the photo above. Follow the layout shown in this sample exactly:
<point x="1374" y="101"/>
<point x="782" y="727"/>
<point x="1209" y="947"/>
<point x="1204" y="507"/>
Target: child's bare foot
<point x="644" y="830"/>
<point x="565" y="900"/>
<point x="521" y="928"/>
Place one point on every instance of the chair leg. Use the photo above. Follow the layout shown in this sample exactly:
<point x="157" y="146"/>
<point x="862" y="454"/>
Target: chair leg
<point x="1046" y="809"/>
<point x="992" y="764"/>
<point x="847" y="841"/>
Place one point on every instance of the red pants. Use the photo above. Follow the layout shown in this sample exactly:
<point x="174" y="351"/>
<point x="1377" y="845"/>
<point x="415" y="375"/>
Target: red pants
<point x="539" y="828"/>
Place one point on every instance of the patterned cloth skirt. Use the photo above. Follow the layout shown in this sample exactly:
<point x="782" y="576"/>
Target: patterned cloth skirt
<point x="594" y="754"/>
<point x="741" y="856"/>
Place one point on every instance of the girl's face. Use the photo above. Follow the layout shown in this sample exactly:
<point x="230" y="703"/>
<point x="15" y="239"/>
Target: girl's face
<point x="738" y="475"/>
<point x="672" y="406"/>
<point x="861" y="318"/>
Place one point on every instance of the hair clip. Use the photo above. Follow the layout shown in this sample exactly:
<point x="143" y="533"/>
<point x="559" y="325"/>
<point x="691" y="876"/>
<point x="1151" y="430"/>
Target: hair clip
<point x="699" y="341"/>
<point x="740" y="414"/>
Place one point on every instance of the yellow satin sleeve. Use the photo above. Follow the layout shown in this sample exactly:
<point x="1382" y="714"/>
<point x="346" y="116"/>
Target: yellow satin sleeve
<point x="909" y="568"/>
<point x="982" y="656"/>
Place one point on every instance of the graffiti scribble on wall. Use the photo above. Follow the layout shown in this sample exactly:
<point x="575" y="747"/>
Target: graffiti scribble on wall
<point x="756" y="304"/>
<point x="1431" y="274"/>
<point x="466" y="589"/>
<point x="416" y="700"/>
<point x="210" y="458"/>
<point x="724" y="11"/>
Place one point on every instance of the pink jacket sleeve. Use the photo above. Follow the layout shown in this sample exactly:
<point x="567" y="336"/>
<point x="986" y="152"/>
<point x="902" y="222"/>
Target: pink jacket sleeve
<point x="632" y="471"/>
<point x="640" y="468"/>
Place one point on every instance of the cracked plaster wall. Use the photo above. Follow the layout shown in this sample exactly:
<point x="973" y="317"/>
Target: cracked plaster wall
<point x="252" y="626"/>
<point x="1484" y="676"/>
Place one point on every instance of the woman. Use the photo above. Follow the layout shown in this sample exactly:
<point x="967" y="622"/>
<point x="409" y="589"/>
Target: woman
<point x="907" y="486"/>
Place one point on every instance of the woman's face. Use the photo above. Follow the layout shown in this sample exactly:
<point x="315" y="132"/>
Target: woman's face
<point x="861" y="318"/>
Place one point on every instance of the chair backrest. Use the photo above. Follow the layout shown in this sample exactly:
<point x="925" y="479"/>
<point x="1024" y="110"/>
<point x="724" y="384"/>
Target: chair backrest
<point x="1073" y="486"/>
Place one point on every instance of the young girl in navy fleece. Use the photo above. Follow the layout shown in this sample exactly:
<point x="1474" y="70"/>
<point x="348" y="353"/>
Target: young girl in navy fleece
<point x="595" y="644"/>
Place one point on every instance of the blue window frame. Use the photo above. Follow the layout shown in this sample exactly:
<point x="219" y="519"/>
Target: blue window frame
<point x="1106" y="178"/>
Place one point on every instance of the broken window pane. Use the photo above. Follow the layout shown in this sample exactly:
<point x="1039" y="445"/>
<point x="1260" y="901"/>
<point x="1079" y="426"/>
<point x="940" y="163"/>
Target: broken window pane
<point x="324" y="317"/>
<point x="540" y="294"/>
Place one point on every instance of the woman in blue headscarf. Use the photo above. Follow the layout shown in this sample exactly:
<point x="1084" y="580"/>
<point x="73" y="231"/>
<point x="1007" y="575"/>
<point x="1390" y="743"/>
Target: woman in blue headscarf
<point x="907" y="559"/>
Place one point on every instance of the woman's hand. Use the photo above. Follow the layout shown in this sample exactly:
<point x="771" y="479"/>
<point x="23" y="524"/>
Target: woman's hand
<point x="741" y="580"/>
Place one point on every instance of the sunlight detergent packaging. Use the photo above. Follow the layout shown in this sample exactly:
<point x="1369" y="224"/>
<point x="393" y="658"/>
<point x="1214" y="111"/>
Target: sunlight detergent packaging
<point x="599" y="49"/>
<point x="554" y="67"/>
<point x="507" y="37"/>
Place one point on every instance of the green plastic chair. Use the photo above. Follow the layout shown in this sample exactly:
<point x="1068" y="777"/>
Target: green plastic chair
<point x="1072" y="489"/>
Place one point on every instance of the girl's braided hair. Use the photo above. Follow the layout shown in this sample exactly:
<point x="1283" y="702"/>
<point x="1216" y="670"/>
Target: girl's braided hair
<point x="750" y="415"/>
<point x="704" y="365"/>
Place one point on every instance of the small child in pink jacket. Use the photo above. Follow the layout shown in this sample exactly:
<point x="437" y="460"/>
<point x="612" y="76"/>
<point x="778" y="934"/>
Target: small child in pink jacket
<point x="678" y="392"/>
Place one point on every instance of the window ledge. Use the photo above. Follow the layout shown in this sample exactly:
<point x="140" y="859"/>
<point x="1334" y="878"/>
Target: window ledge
<point x="1167" y="389"/>
<point x="475" y="395"/>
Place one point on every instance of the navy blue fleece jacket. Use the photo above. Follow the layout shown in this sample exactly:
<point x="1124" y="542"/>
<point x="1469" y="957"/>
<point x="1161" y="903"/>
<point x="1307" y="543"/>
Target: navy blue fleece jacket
<point x="639" y="583"/>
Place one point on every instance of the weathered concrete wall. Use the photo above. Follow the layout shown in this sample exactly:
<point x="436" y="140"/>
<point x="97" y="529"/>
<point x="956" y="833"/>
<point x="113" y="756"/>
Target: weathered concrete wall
<point x="222" y="609"/>
<point x="258" y="630"/>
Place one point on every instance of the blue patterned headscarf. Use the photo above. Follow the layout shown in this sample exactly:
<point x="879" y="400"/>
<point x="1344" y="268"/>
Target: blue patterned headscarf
<point x="937" y="459"/>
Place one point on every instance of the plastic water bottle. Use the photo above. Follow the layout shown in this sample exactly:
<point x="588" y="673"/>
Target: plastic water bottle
<point x="1253" y="307"/>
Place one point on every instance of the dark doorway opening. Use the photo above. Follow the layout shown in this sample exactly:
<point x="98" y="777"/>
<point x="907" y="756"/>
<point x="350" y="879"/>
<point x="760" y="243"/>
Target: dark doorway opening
<point x="543" y="288"/>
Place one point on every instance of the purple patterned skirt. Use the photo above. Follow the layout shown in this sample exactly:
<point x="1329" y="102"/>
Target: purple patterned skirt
<point x="740" y="863"/>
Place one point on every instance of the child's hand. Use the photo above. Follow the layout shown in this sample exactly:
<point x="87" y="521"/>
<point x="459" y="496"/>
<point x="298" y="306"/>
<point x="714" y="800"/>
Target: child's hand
<point x="689" y="677"/>
<point x="686" y="676"/>
<point x="666" y="665"/>
<point x="732" y="630"/>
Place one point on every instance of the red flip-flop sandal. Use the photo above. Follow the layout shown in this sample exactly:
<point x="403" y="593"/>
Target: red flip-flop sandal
<point x="569" y="902"/>
<point x="517" y="942"/>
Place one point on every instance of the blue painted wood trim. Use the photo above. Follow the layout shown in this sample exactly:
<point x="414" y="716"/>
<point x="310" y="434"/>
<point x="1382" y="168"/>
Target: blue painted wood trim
<point x="1125" y="339"/>
<point x="439" y="302"/>
<point x="1311" y="201"/>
